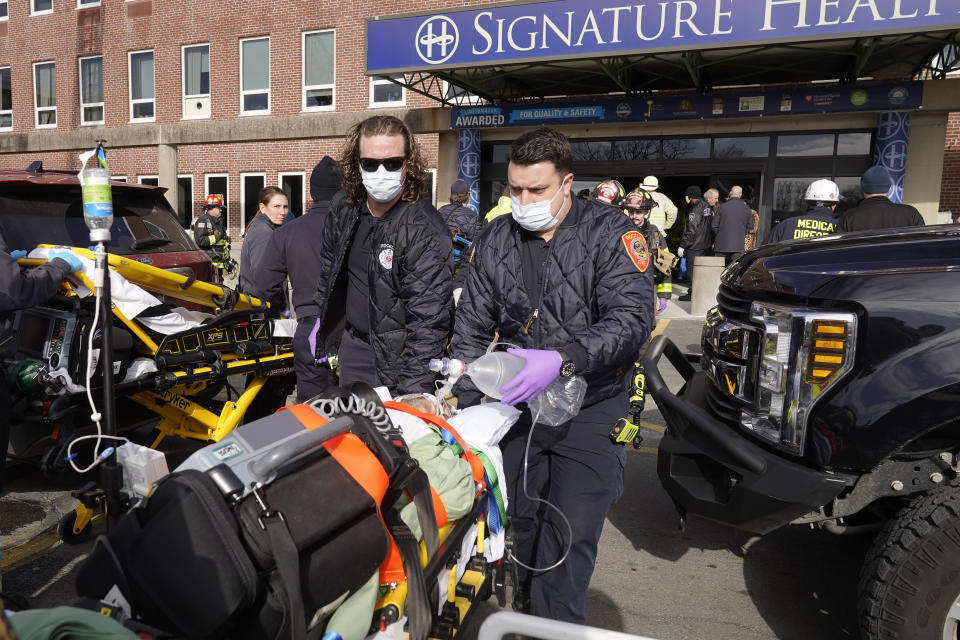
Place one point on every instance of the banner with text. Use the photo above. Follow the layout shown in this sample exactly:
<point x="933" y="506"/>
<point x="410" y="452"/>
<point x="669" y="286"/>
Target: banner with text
<point x="748" y="103"/>
<point x="570" y="29"/>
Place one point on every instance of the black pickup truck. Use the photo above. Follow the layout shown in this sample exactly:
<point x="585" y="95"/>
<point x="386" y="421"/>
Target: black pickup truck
<point x="829" y="394"/>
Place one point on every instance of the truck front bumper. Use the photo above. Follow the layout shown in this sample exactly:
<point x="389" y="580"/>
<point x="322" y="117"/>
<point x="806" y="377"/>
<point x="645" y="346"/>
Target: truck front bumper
<point x="714" y="471"/>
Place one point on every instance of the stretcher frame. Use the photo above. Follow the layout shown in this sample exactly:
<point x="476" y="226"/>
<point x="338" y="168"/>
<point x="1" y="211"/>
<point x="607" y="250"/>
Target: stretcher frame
<point x="169" y="394"/>
<point x="179" y="416"/>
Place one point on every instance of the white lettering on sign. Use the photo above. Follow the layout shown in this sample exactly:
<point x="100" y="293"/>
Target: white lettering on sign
<point x="663" y="22"/>
<point x="648" y="20"/>
<point x="861" y="4"/>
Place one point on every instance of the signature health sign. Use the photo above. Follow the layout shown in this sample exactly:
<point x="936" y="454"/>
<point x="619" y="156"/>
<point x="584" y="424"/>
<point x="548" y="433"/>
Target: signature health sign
<point x="570" y="29"/>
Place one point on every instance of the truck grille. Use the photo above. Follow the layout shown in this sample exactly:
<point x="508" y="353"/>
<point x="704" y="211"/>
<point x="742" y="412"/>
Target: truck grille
<point x="733" y="305"/>
<point x="730" y="351"/>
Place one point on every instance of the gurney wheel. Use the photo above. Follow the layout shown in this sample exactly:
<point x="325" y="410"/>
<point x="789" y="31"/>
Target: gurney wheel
<point x="67" y="534"/>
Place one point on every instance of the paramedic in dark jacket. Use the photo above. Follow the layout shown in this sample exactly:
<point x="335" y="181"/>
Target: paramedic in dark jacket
<point x="22" y="289"/>
<point x="698" y="234"/>
<point x="877" y="211"/>
<point x="819" y="219"/>
<point x="385" y="286"/>
<point x="294" y="251"/>
<point x="570" y="283"/>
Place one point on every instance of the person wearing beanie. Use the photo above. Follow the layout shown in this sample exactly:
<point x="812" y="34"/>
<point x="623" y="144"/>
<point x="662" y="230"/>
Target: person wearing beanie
<point x="294" y="252"/>
<point x="459" y="218"/>
<point x="877" y="211"/>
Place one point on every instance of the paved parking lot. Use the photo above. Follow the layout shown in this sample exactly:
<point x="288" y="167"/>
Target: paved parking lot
<point x="651" y="579"/>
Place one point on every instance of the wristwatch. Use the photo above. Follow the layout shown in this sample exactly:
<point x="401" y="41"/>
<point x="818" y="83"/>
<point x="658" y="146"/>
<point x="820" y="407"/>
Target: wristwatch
<point x="567" y="366"/>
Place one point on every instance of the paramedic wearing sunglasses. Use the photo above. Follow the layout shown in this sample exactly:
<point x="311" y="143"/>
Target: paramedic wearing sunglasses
<point x="22" y="289"/>
<point x="384" y="292"/>
<point x="569" y="282"/>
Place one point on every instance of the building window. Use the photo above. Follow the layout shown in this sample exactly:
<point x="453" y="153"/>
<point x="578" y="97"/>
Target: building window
<point x="142" y="96"/>
<point x="6" y="100"/>
<point x="41" y="7"/>
<point x="809" y="144"/>
<point x="854" y="144"/>
<point x="82" y="4"/>
<point x="318" y="70"/>
<point x="153" y="181"/>
<point x="4" y="15"/>
<point x="91" y="90"/>
<point x="683" y="148"/>
<point x="196" y="81"/>
<point x="386" y="93"/>
<point x="185" y="199"/>
<point x="255" y="76"/>
<point x="741" y="147"/>
<point x="118" y="178"/>
<point x="45" y="94"/>
<point x="292" y="184"/>
<point x="218" y="184"/>
<point x="250" y="185"/>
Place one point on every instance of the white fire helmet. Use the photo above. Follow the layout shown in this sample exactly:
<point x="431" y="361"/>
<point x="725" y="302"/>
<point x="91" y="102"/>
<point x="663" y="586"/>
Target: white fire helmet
<point x="822" y="191"/>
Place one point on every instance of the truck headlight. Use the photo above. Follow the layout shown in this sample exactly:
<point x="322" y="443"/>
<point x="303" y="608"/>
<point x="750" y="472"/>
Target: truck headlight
<point x="802" y="353"/>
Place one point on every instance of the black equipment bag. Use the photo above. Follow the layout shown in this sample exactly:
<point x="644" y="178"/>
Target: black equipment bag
<point x="188" y="562"/>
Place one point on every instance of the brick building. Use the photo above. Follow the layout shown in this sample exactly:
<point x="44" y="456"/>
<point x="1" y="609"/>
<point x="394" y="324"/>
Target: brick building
<point x="222" y="100"/>
<point x="231" y="98"/>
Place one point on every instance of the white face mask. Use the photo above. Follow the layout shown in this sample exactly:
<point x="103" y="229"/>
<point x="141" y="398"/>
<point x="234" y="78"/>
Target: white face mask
<point x="382" y="185"/>
<point x="536" y="216"/>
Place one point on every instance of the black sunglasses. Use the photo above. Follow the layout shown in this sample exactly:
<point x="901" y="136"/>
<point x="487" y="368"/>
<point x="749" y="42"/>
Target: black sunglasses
<point x="372" y="164"/>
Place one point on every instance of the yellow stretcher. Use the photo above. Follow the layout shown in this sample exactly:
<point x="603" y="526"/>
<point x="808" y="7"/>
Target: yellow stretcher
<point x="180" y="415"/>
<point x="176" y="391"/>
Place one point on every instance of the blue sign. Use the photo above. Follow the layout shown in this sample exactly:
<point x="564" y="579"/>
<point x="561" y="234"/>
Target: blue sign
<point x="747" y="103"/>
<point x="893" y="133"/>
<point x="468" y="164"/>
<point x="571" y="29"/>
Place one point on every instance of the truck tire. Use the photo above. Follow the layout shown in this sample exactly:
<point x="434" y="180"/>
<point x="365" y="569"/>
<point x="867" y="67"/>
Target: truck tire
<point x="910" y="581"/>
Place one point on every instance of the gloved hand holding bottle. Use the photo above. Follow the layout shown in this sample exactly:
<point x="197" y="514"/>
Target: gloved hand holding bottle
<point x="542" y="367"/>
<point x="661" y="305"/>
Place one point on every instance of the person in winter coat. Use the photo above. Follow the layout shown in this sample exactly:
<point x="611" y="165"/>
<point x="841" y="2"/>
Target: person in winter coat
<point x="731" y="224"/>
<point x="501" y="208"/>
<point x="385" y="288"/>
<point x="568" y="281"/>
<point x="459" y="218"/>
<point x="464" y="225"/>
<point x="22" y="289"/>
<point x="877" y="211"/>
<point x="294" y="250"/>
<point x="273" y="207"/>
<point x="819" y="219"/>
<point x="698" y="234"/>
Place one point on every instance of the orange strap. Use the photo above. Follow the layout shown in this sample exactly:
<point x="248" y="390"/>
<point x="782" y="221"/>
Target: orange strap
<point x="475" y="465"/>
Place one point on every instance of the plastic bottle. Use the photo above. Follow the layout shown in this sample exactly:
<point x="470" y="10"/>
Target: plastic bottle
<point x="97" y="202"/>
<point x="490" y="372"/>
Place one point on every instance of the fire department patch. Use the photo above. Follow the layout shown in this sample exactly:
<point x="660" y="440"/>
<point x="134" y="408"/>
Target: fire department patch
<point x="636" y="247"/>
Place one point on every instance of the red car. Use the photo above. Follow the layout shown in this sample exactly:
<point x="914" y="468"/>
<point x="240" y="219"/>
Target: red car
<point x="45" y="207"/>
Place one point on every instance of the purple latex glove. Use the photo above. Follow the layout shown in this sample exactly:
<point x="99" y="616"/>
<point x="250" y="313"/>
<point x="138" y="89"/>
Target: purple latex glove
<point x="661" y="305"/>
<point x="542" y="368"/>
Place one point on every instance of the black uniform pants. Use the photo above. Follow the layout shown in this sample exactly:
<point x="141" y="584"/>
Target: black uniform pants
<point x="577" y="468"/>
<point x="312" y="379"/>
<point x="357" y="362"/>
